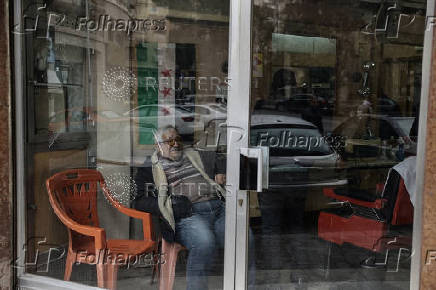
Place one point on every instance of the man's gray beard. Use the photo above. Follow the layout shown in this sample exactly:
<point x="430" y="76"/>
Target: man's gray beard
<point x="178" y="156"/>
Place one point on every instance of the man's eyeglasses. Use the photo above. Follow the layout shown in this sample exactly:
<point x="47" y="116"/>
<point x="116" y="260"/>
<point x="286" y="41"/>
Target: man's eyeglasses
<point x="173" y="141"/>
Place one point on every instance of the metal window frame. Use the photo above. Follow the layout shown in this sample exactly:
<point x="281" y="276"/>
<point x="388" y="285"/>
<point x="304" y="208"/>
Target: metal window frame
<point x="236" y="238"/>
<point x="19" y="142"/>
<point x="415" y="268"/>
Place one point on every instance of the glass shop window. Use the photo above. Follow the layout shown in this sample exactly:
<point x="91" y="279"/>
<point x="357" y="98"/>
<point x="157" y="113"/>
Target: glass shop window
<point x="335" y="95"/>
<point x="101" y="77"/>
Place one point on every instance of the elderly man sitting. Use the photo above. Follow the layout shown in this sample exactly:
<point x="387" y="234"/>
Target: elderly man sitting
<point x="189" y="201"/>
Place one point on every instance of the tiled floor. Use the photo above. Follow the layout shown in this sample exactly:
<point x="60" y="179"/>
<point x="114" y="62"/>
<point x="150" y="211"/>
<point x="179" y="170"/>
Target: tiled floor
<point x="303" y="265"/>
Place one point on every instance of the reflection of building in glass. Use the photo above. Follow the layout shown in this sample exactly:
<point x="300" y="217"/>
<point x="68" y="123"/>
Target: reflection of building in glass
<point x="292" y="40"/>
<point x="334" y="92"/>
<point x="100" y="85"/>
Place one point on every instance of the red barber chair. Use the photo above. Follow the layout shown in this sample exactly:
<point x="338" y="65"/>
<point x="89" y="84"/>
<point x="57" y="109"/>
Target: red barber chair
<point x="380" y="225"/>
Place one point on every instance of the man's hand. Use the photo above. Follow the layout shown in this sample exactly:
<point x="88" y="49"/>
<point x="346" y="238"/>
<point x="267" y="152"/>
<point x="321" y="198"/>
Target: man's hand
<point x="220" y="178"/>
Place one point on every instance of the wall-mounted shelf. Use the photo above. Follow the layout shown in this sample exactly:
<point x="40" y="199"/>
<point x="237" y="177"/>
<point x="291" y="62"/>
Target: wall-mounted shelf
<point x="37" y="84"/>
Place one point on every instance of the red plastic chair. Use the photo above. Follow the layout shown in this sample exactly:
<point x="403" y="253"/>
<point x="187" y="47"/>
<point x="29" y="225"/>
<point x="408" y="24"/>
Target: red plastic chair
<point x="170" y="252"/>
<point x="73" y="197"/>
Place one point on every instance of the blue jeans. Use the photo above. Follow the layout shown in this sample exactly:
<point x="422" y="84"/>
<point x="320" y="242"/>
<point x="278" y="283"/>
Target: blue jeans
<point x="202" y="233"/>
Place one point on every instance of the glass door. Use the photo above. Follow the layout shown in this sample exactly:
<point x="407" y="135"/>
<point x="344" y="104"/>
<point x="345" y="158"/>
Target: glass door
<point x="332" y="97"/>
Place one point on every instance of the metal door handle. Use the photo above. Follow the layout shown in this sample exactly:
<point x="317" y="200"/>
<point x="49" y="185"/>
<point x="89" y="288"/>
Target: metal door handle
<point x="261" y="153"/>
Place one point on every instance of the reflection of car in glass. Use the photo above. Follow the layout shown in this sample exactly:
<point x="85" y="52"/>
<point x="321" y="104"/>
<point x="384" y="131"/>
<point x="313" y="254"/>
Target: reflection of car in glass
<point x="147" y="116"/>
<point x="219" y="98"/>
<point x="371" y="135"/>
<point x="299" y="155"/>
<point x="382" y="106"/>
<point x="297" y="103"/>
<point x="206" y="112"/>
<point x="371" y="145"/>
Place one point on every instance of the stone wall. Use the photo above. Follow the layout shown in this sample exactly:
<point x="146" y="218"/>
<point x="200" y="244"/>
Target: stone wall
<point x="428" y="250"/>
<point x="5" y="152"/>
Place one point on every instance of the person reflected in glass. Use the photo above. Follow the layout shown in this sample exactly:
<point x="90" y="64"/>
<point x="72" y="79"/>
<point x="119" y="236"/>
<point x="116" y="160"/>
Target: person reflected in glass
<point x="196" y="210"/>
<point x="312" y="114"/>
<point x="190" y="201"/>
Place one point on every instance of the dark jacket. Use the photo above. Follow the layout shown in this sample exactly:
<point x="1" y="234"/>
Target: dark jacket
<point x="313" y="115"/>
<point x="390" y="194"/>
